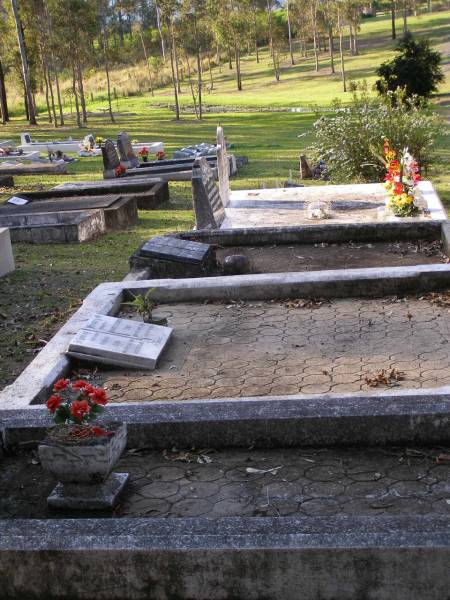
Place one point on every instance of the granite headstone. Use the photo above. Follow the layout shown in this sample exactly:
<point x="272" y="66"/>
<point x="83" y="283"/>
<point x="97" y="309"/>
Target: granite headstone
<point x="110" y="158"/>
<point x="126" y="152"/>
<point x="223" y="167"/>
<point x="208" y="207"/>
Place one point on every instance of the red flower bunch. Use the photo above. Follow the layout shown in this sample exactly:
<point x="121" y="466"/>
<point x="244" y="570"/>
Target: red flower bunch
<point x="120" y="171"/>
<point x="77" y="403"/>
<point x="160" y="155"/>
<point x="143" y="151"/>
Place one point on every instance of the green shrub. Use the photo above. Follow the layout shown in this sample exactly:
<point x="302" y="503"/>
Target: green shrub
<point x="350" y="140"/>
<point x="416" y="69"/>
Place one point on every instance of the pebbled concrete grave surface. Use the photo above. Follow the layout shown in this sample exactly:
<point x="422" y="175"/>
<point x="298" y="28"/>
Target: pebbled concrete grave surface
<point x="253" y="483"/>
<point x="291" y="347"/>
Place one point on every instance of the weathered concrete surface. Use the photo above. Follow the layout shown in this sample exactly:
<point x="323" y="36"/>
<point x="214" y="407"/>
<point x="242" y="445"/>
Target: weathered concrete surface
<point x="55" y="228"/>
<point x="6" y="181"/>
<point x="249" y="482"/>
<point x="396" y="417"/>
<point x="338" y="558"/>
<point x="6" y="255"/>
<point x="318" y="233"/>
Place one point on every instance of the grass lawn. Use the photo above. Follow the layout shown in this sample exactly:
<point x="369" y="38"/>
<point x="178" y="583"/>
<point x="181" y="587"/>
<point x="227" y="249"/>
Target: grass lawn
<point x="51" y="280"/>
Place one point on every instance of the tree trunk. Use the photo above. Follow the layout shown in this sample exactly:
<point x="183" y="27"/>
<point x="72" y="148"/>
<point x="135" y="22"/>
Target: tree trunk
<point x="255" y="31"/>
<point x="146" y="60"/>
<point x="81" y="89"/>
<point x="211" y="80"/>
<point x="75" y="94"/>
<point x="174" y="77"/>
<point x="394" y="34"/>
<point x="341" y="51"/>
<point x="161" y="35"/>
<point x="405" y="16"/>
<point x="58" y="93"/>
<point x="47" y="99"/>
<point x="291" y="50"/>
<point x="230" y="59"/>
<point x="314" y="22"/>
<point x="108" y="83"/>
<point x="238" y="66"/>
<point x="331" y="47"/>
<point x="25" y="65"/>
<point x="269" y="13"/>
<point x="3" y="99"/>
<point x="194" y="97"/>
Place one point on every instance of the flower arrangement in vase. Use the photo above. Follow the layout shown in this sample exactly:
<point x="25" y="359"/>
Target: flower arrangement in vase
<point x="143" y="153"/>
<point x="120" y="171"/>
<point x="402" y="177"/>
<point x="80" y="454"/>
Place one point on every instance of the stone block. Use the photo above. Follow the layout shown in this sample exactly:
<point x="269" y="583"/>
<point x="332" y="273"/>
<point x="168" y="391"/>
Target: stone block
<point x="102" y="496"/>
<point x="6" y="255"/>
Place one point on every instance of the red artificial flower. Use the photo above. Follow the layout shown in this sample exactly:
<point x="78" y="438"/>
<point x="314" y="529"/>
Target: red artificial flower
<point x="53" y="403"/>
<point x="99" y="432"/>
<point x="60" y="385"/>
<point x="79" y="409"/>
<point x="398" y="187"/>
<point x="119" y="171"/>
<point x="99" y="396"/>
<point x="80" y="384"/>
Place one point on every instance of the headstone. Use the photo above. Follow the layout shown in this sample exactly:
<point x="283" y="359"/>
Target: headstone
<point x="110" y="158"/>
<point x="25" y="138"/>
<point x="208" y="206"/>
<point x="223" y="167"/>
<point x="6" y="255"/>
<point x="304" y="168"/>
<point x="127" y="156"/>
<point x="176" y="249"/>
<point x="120" y="342"/>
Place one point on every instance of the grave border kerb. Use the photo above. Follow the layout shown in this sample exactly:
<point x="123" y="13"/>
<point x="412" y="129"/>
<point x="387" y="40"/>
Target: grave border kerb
<point x="51" y="363"/>
<point x="203" y="558"/>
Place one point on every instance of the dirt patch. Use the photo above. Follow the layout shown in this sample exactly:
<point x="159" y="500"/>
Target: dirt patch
<point x="314" y="257"/>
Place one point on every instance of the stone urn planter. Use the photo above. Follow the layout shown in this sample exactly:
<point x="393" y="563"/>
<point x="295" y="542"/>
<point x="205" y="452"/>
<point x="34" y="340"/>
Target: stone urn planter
<point x="83" y="469"/>
<point x="79" y="454"/>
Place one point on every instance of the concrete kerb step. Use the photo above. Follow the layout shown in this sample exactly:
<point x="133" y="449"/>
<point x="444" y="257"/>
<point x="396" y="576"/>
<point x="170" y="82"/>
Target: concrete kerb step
<point x="376" y="418"/>
<point x="339" y="558"/>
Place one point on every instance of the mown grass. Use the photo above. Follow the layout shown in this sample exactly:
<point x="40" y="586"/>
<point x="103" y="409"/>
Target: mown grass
<point x="51" y="280"/>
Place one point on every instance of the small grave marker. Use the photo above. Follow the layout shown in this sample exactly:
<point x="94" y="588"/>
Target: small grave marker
<point x="175" y="249"/>
<point x="120" y="342"/>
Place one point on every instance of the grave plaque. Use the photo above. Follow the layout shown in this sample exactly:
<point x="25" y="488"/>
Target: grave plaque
<point x="120" y="342"/>
<point x="223" y="167"/>
<point x="208" y="207"/>
<point x="127" y="156"/>
<point x="110" y="157"/>
<point x="175" y="249"/>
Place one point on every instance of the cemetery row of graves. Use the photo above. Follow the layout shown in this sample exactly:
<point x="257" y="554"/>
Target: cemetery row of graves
<point x="265" y="392"/>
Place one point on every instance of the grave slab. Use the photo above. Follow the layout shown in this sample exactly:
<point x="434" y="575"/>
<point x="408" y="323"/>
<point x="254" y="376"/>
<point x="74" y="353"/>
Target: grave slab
<point x="6" y="255"/>
<point x="56" y="168"/>
<point x="120" y="212"/>
<point x="120" y="342"/>
<point x="6" y="181"/>
<point x="55" y="228"/>
<point x="149" y="192"/>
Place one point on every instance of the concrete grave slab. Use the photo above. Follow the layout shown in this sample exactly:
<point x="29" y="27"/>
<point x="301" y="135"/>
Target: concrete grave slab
<point x="37" y="168"/>
<point x="55" y="228"/>
<point x="148" y="192"/>
<point x="6" y="255"/>
<point x="120" y="212"/>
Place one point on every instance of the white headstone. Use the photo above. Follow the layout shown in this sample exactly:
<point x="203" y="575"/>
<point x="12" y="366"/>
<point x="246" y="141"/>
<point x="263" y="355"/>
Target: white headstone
<point x="223" y="167"/>
<point x="6" y="255"/>
<point x="120" y="342"/>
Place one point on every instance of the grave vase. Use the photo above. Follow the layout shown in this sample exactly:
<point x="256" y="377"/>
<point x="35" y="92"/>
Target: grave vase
<point x="83" y="469"/>
<point x="145" y="159"/>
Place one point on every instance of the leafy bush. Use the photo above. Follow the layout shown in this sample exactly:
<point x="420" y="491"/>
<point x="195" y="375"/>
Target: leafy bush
<point x="416" y="69"/>
<point x="350" y="140"/>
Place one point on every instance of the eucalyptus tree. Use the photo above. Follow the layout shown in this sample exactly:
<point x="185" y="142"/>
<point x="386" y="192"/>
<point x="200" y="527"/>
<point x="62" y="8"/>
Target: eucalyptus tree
<point x="168" y="10"/>
<point x="25" y="64"/>
<point x="4" y="113"/>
